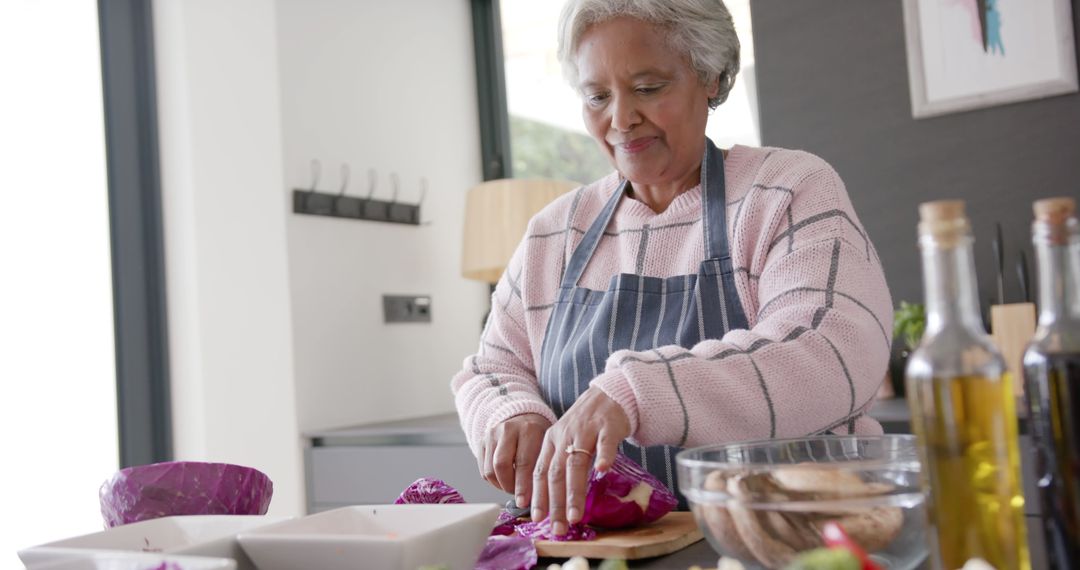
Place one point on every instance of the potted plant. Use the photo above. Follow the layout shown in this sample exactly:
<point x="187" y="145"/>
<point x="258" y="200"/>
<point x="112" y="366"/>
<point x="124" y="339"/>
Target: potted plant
<point x="909" y="323"/>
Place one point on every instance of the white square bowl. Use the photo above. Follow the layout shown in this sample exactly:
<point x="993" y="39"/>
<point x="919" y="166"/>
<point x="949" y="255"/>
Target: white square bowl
<point x="387" y="537"/>
<point x="195" y="535"/>
<point x="74" y="559"/>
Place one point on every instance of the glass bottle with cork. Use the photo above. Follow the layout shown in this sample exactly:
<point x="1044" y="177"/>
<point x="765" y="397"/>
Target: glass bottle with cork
<point x="963" y="410"/>
<point x="1052" y="378"/>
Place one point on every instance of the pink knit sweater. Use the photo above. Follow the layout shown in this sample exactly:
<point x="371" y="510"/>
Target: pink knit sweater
<point x="809" y="280"/>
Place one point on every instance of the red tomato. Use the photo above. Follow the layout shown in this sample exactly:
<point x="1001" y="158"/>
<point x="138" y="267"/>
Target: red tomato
<point x="835" y="537"/>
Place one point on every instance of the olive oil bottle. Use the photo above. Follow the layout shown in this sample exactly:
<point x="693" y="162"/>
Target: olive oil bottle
<point x="1052" y="379"/>
<point x="963" y="410"/>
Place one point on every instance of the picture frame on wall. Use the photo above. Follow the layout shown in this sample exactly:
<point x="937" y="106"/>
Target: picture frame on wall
<point x="971" y="54"/>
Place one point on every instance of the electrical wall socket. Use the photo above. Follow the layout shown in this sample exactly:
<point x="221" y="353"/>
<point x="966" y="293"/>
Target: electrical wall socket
<point x="407" y="308"/>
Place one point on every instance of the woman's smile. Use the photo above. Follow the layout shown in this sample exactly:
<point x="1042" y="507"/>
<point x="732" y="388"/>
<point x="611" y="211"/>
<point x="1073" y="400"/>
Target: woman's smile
<point x="636" y="146"/>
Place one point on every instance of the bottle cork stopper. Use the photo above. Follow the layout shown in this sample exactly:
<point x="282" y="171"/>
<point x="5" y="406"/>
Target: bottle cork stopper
<point x="941" y="211"/>
<point x="943" y="223"/>
<point x="1054" y="210"/>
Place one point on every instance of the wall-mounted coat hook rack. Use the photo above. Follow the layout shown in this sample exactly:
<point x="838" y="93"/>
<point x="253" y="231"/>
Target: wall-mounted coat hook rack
<point x="340" y="205"/>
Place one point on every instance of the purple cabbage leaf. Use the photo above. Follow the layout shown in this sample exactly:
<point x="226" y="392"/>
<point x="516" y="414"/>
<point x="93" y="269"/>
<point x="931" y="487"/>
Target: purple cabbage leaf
<point x="171" y="488"/>
<point x="542" y="531"/>
<point x="507" y="553"/>
<point x="626" y="495"/>
<point x="429" y="491"/>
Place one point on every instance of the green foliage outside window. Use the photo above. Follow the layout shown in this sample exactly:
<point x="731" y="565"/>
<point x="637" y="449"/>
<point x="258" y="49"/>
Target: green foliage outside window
<point x="541" y="150"/>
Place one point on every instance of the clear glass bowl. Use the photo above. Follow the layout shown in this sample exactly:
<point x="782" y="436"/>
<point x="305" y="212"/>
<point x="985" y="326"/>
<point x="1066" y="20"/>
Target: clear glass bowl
<point x="764" y="502"/>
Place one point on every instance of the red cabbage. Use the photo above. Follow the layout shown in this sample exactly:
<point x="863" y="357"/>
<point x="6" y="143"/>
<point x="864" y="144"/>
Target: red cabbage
<point x="614" y="497"/>
<point x="507" y="553"/>
<point x="624" y="496"/>
<point x="172" y="488"/>
<point x="505" y="524"/>
<point x="429" y="491"/>
<point x="542" y="531"/>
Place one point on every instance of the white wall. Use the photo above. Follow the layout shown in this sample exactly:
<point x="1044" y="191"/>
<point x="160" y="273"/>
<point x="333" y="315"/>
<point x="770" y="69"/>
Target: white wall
<point x="225" y="222"/>
<point x="275" y="318"/>
<point x="389" y="86"/>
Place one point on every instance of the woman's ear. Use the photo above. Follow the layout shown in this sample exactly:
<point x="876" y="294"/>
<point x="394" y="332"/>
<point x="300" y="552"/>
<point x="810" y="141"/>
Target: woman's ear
<point x="712" y="88"/>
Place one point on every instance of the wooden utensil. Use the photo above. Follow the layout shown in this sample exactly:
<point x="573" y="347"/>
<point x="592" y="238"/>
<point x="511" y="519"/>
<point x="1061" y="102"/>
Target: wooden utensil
<point x="674" y="531"/>
<point x="1012" y="327"/>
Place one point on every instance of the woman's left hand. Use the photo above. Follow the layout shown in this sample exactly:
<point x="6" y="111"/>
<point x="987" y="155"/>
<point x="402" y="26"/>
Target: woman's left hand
<point x="593" y="427"/>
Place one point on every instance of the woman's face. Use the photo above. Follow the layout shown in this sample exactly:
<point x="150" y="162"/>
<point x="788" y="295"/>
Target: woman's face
<point x="642" y="102"/>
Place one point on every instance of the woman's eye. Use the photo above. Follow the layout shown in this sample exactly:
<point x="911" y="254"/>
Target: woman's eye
<point x="596" y="99"/>
<point x="645" y="90"/>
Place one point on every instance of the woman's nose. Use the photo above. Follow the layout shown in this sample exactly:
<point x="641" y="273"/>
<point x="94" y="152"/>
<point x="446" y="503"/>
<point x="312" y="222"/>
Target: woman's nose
<point x="624" y="114"/>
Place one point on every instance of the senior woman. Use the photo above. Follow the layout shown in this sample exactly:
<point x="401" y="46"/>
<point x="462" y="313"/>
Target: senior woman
<point x="693" y="296"/>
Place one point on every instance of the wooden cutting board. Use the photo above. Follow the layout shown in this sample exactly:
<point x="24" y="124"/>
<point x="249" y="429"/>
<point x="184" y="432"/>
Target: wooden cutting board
<point x="672" y="532"/>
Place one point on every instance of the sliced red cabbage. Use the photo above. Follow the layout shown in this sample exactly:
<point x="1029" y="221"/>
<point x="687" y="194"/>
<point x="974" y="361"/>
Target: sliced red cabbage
<point x="626" y="495"/>
<point x="147" y="492"/>
<point x="542" y="531"/>
<point x="427" y="491"/>
<point x="505" y="524"/>
<point x="507" y="553"/>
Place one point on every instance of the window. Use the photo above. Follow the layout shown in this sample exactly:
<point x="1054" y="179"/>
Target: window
<point x="57" y="369"/>
<point x="83" y="363"/>
<point x="547" y="137"/>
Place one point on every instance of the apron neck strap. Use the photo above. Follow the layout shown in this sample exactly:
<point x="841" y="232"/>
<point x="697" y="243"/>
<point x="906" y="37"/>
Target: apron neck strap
<point x="713" y="217"/>
<point x="584" y="251"/>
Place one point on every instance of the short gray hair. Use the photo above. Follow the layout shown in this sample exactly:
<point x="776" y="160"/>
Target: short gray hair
<point x="701" y="29"/>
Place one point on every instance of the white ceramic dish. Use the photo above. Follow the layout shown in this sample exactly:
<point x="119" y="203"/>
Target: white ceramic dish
<point x="74" y="559"/>
<point x="387" y="537"/>
<point x="196" y="535"/>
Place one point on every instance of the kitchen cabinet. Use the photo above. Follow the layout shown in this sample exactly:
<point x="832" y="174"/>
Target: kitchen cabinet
<point x="372" y="464"/>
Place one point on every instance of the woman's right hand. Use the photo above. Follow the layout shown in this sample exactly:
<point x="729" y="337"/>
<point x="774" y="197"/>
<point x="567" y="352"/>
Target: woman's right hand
<point x="509" y="454"/>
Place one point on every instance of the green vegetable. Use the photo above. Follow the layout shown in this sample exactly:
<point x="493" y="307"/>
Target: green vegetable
<point x="826" y="559"/>
<point x="909" y="323"/>
<point x="613" y="564"/>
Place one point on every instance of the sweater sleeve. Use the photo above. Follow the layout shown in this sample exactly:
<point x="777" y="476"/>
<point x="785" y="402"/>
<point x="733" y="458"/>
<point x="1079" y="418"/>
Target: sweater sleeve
<point x="815" y="354"/>
<point x="499" y="381"/>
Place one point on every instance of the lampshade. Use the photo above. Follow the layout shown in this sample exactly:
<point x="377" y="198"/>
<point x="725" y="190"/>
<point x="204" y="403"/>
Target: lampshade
<point x="496" y="215"/>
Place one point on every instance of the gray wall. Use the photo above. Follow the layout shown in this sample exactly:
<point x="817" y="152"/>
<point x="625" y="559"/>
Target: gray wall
<point x="832" y="79"/>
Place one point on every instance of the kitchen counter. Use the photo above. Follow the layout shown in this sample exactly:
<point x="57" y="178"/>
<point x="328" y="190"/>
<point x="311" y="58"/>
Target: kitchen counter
<point x="701" y="554"/>
<point x="445" y="429"/>
<point x="371" y="464"/>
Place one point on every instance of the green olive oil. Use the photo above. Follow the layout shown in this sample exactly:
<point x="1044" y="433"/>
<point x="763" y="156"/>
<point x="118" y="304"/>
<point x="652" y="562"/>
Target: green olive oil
<point x="963" y="409"/>
<point x="972" y="466"/>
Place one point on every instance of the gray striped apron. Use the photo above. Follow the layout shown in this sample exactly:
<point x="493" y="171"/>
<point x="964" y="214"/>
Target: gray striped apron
<point x="641" y="313"/>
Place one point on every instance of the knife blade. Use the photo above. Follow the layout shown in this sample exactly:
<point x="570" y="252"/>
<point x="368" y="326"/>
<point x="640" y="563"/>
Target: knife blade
<point x="511" y="507"/>
<point x="1022" y="274"/>
<point x="999" y="259"/>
